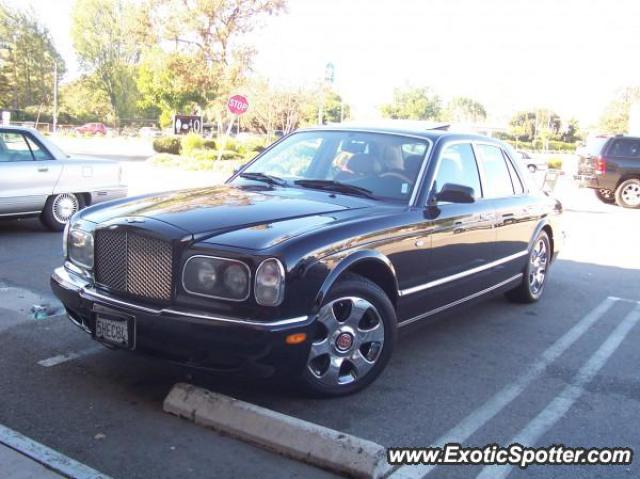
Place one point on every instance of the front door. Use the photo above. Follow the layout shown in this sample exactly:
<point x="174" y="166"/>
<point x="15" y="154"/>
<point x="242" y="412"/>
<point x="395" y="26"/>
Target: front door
<point x="462" y="237"/>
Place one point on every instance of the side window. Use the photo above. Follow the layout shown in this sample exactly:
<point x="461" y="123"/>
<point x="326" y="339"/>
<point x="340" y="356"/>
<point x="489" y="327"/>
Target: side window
<point x="458" y="166"/>
<point x="38" y="153"/>
<point x="496" y="179"/>
<point x="626" y="148"/>
<point x="14" y="147"/>
<point x="515" y="179"/>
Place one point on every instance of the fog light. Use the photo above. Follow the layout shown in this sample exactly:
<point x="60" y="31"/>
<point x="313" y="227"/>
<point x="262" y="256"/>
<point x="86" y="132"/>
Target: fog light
<point x="296" y="338"/>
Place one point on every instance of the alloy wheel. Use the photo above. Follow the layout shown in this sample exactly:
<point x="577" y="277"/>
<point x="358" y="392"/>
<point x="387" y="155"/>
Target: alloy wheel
<point x="631" y="194"/>
<point x="64" y="206"/>
<point x="538" y="266"/>
<point x="349" y="341"/>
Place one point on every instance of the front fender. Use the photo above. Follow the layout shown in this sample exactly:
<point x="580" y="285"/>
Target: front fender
<point x="337" y="266"/>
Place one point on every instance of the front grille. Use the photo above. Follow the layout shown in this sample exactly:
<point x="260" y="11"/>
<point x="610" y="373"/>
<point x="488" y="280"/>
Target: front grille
<point x="133" y="264"/>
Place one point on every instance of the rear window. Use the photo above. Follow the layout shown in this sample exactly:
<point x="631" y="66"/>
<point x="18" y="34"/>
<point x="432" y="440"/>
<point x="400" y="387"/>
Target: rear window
<point x="625" y="147"/>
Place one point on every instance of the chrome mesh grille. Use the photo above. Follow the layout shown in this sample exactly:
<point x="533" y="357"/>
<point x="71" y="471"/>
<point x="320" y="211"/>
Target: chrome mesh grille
<point x="134" y="264"/>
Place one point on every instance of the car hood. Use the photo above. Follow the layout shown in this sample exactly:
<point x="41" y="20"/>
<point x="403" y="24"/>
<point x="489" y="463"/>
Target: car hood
<point x="207" y="211"/>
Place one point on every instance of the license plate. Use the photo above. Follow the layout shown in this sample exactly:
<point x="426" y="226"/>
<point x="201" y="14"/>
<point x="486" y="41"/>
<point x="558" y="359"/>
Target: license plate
<point x="113" y="331"/>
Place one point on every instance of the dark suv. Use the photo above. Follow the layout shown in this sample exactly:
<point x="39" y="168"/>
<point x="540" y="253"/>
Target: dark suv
<point x="611" y="166"/>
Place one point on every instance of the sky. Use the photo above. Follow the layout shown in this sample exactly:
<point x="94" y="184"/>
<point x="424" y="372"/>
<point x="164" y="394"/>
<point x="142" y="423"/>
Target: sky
<point x="568" y="55"/>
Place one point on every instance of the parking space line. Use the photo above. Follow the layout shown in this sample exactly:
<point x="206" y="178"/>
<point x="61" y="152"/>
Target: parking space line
<point x="63" y="358"/>
<point x="483" y="414"/>
<point x="559" y="406"/>
<point x="625" y="300"/>
<point x="46" y="456"/>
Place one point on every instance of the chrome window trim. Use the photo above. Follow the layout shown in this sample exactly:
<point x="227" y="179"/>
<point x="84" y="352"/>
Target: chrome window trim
<point x="230" y="260"/>
<point x="419" y="176"/>
<point x="460" y="301"/>
<point x="462" y="274"/>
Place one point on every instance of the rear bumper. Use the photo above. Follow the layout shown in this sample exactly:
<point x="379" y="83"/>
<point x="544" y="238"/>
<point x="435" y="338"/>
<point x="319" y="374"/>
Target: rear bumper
<point x="195" y="339"/>
<point x="597" y="182"/>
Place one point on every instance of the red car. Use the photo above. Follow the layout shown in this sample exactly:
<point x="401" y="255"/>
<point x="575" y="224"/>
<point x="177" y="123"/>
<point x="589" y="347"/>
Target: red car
<point x="92" y="129"/>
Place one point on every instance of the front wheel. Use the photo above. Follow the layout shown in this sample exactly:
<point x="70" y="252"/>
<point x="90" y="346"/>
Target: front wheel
<point x="59" y="209"/>
<point x="628" y="194"/>
<point x="355" y="335"/>
<point x="535" y="274"/>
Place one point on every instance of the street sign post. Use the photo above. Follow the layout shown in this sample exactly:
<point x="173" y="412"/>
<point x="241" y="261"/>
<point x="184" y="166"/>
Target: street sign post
<point x="237" y="105"/>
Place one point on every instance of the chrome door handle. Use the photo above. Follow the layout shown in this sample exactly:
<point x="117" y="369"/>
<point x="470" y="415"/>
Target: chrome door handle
<point x="43" y="169"/>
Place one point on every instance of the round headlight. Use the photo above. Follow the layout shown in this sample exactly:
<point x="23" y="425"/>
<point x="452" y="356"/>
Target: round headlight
<point x="236" y="279"/>
<point x="218" y="278"/>
<point x="80" y="247"/>
<point x="269" y="288"/>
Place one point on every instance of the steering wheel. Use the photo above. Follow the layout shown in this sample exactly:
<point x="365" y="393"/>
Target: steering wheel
<point x="394" y="174"/>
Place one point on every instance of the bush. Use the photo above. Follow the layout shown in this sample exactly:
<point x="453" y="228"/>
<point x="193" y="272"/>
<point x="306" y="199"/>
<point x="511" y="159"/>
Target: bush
<point x="209" y="145"/>
<point x="191" y="143"/>
<point x="167" y="144"/>
<point x="555" y="163"/>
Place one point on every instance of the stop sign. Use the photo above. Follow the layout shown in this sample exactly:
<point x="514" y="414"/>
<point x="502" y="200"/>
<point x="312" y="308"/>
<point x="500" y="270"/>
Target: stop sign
<point x="238" y="104"/>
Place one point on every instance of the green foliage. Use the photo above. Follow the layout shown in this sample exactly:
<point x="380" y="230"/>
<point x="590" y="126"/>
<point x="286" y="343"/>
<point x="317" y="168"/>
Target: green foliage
<point x="538" y="145"/>
<point x="209" y="144"/>
<point x="108" y="36"/>
<point x="555" y="163"/>
<point x="464" y="110"/>
<point x="191" y="142"/>
<point x="27" y="59"/>
<point x="80" y="102"/>
<point x="167" y="144"/>
<point x="413" y="103"/>
<point x="615" y="118"/>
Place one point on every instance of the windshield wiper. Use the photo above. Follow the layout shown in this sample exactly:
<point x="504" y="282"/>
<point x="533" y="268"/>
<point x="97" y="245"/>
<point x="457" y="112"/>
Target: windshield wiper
<point x="332" y="185"/>
<point x="271" y="179"/>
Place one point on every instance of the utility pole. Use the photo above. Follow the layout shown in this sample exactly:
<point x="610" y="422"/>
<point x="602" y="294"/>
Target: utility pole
<point x="55" y="95"/>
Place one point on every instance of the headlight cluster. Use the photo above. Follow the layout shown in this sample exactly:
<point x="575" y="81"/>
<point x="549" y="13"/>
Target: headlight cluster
<point x="78" y="246"/>
<point x="216" y="278"/>
<point x="228" y="279"/>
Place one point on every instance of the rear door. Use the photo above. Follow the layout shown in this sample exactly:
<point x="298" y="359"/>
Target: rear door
<point x="28" y="173"/>
<point x="515" y="214"/>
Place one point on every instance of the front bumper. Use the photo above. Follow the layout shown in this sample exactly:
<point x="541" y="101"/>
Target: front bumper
<point x="192" y="338"/>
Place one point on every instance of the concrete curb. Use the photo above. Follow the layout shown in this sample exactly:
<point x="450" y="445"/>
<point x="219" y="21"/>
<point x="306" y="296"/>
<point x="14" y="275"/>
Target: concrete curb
<point x="284" y="434"/>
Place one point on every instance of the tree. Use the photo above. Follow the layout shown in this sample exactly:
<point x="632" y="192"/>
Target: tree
<point x="209" y="33"/>
<point x="413" y="103"/>
<point x="81" y="102"/>
<point x="27" y="60"/>
<point x="465" y="110"/>
<point x="108" y="36"/>
<point x="541" y="124"/>
<point x="615" y="118"/>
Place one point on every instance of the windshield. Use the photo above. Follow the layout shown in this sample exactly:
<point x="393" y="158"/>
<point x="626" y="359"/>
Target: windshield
<point x="386" y="166"/>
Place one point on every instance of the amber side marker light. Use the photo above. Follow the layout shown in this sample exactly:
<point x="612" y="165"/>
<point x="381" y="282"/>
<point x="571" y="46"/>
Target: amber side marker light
<point x="296" y="338"/>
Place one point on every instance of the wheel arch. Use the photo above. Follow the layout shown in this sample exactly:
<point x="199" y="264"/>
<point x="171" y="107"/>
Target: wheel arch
<point x="545" y="226"/>
<point x="370" y="264"/>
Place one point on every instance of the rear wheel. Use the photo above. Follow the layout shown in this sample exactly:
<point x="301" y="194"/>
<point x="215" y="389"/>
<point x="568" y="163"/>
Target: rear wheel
<point x="606" y="196"/>
<point x="628" y="194"/>
<point x="59" y="209"/>
<point x="535" y="273"/>
<point x="354" y="340"/>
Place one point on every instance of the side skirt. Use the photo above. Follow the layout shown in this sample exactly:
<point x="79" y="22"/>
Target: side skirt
<point x="433" y="312"/>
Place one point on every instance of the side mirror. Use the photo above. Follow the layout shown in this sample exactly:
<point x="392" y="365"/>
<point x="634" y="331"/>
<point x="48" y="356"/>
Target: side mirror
<point x="453" y="193"/>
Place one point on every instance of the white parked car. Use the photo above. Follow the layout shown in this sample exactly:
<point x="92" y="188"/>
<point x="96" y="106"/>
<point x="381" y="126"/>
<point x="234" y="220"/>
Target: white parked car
<point x="37" y="178"/>
<point x="531" y="162"/>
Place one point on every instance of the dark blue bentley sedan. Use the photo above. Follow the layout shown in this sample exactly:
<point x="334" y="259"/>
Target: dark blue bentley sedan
<point x="308" y="260"/>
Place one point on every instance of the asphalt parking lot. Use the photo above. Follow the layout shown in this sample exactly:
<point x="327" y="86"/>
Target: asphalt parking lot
<point x="447" y="377"/>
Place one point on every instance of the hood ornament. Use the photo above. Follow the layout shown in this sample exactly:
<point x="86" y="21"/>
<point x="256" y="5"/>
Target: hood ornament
<point x="134" y="219"/>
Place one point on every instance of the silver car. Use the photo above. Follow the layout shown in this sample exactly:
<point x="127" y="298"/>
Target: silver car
<point x="37" y="178"/>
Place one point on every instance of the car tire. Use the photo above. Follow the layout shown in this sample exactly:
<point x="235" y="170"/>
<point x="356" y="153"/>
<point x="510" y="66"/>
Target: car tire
<point x="606" y="196"/>
<point x="59" y="209"/>
<point x="356" y="331"/>
<point x="628" y="193"/>
<point x="535" y="273"/>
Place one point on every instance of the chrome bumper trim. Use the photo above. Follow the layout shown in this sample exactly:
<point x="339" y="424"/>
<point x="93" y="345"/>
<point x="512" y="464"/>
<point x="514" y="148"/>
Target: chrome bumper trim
<point x="74" y="283"/>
